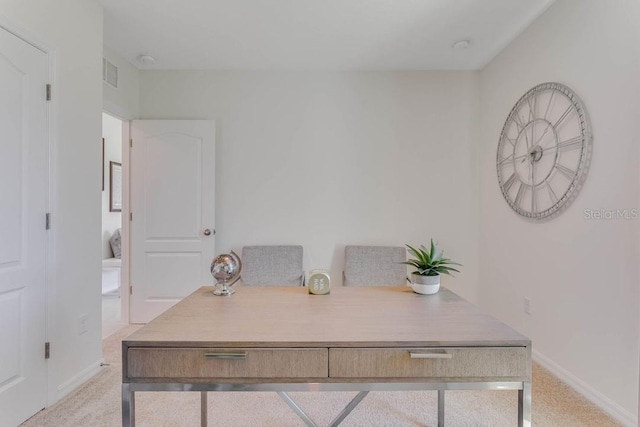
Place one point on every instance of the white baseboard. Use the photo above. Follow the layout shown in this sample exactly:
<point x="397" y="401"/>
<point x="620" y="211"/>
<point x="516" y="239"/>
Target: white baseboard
<point x="78" y="379"/>
<point x="616" y="411"/>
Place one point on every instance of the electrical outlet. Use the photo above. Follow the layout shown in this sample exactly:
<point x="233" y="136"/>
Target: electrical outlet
<point x="527" y="305"/>
<point x="83" y="324"/>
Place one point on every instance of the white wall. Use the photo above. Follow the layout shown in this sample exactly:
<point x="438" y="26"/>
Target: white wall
<point x="581" y="275"/>
<point x="325" y="159"/>
<point x="123" y="101"/>
<point x="111" y="221"/>
<point x="74" y="29"/>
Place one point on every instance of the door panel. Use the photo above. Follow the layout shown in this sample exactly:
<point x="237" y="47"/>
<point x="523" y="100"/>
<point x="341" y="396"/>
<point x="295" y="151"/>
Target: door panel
<point x="167" y="269"/>
<point x="172" y="201"/>
<point x="181" y="195"/>
<point x="10" y="353"/>
<point x="11" y="162"/>
<point x="23" y="239"/>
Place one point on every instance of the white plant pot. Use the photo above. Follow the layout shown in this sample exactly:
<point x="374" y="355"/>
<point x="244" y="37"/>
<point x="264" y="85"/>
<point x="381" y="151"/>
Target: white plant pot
<point x="425" y="285"/>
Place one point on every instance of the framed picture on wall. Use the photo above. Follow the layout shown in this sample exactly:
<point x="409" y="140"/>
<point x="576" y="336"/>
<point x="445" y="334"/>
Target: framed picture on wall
<point x="115" y="187"/>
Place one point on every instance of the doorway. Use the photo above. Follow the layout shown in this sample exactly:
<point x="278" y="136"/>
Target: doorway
<point x="112" y="319"/>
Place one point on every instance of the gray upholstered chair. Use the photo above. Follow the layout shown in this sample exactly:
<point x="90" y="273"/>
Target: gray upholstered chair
<point x="374" y="266"/>
<point x="272" y="265"/>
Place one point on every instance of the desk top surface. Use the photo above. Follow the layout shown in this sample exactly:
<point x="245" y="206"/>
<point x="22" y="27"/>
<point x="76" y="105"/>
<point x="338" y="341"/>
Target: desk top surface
<point x="362" y="316"/>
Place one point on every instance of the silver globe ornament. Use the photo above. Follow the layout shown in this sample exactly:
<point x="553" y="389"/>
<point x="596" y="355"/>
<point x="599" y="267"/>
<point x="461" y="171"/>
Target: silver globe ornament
<point x="226" y="268"/>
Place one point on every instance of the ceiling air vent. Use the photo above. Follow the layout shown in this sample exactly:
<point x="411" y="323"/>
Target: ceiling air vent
<point x="109" y="73"/>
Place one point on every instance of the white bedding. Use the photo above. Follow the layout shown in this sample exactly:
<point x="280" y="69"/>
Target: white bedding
<point x="111" y="276"/>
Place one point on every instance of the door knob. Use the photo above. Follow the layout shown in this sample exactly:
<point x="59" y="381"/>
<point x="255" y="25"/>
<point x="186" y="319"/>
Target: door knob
<point x="207" y="232"/>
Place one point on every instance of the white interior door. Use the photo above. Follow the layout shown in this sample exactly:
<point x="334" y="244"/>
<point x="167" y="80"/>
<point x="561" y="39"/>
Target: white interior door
<point x="23" y="238"/>
<point x="172" y="202"/>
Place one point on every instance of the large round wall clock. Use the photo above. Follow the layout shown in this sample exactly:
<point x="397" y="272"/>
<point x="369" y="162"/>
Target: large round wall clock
<point x="544" y="151"/>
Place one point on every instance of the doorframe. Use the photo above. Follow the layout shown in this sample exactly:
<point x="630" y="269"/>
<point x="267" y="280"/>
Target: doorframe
<point x="125" y="236"/>
<point x="125" y="223"/>
<point x="50" y="326"/>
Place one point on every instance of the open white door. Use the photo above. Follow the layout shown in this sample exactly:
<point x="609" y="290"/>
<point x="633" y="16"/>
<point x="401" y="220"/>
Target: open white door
<point x="23" y="238"/>
<point x="172" y="206"/>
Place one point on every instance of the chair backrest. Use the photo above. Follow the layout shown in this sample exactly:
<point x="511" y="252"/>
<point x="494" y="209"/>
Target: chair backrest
<point x="374" y="266"/>
<point x="272" y="265"/>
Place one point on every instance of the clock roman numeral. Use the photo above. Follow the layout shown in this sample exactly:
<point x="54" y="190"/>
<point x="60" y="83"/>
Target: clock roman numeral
<point x="509" y="182"/>
<point x="570" y="144"/>
<point x="519" y="195"/>
<point x="563" y="117"/>
<point x="532" y="108"/>
<point x="518" y="121"/>
<point x="552" y="194"/>
<point x="506" y="160"/>
<point x="531" y="117"/>
<point x="546" y="112"/>
<point x="569" y="173"/>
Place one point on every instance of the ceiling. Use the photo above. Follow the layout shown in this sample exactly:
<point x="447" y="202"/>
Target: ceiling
<point x="315" y="34"/>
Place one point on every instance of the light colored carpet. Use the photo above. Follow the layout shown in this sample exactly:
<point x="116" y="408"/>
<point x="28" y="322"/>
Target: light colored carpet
<point x="97" y="403"/>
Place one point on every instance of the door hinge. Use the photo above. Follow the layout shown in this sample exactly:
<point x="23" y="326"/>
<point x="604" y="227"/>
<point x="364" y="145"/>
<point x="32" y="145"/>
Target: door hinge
<point x="48" y="92"/>
<point x="130" y="216"/>
<point x="47" y="350"/>
<point x="130" y="143"/>
<point x="47" y="221"/>
<point x="130" y="289"/>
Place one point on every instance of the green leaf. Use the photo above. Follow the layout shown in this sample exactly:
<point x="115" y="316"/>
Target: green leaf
<point x="414" y="252"/>
<point x="430" y="262"/>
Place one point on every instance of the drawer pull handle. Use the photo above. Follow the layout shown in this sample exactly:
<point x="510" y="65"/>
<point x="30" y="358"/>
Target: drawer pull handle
<point x="240" y="355"/>
<point x="430" y="355"/>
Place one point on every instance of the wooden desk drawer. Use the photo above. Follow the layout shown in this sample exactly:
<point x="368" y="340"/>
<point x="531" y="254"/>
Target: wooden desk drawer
<point x="227" y="362"/>
<point x="428" y="362"/>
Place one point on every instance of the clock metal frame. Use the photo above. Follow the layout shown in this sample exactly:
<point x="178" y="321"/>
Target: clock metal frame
<point x="544" y="151"/>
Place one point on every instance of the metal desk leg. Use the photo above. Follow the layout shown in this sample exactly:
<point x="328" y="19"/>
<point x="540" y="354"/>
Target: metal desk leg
<point x="524" y="405"/>
<point x="350" y="407"/>
<point x="128" y="406"/>
<point x="298" y="410"/>
<point x="203" y="409"/>
<point x="440" y="408"/>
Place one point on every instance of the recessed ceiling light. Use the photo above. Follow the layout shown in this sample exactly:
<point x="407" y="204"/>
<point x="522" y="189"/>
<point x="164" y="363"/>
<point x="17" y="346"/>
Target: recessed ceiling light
<point x="147" y="59"/>
<point x="461" y="45"/>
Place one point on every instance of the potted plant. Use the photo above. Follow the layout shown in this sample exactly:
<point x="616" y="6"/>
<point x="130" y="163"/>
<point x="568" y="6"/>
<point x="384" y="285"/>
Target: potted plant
<point x="429" y="265"/>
